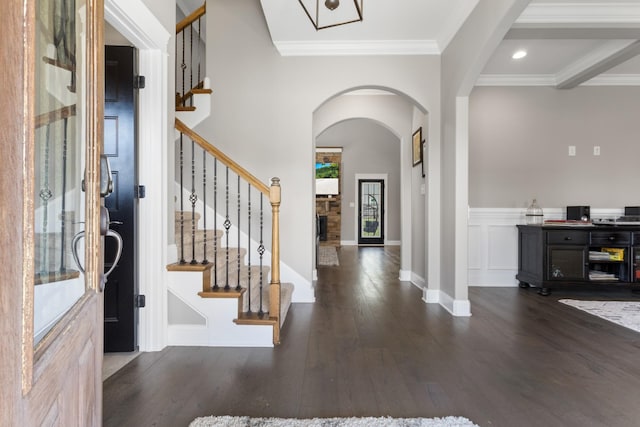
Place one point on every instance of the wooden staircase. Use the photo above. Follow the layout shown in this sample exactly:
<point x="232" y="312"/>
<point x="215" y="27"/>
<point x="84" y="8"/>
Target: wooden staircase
<point x="224" y="274"/>
<point x="226" y="266"/>
<point x="232" y="277"/>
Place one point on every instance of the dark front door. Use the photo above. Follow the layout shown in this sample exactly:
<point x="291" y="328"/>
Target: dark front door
<point x="371" y="212"/>
<point x="120" y="315"/>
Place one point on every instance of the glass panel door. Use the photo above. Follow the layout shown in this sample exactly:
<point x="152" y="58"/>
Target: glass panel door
<point x="370" y="212"/>
<point x="60" y="135"/>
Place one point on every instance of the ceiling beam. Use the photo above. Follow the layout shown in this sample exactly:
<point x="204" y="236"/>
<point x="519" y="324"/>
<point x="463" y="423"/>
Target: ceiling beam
<point x="581" y="13"/>
<point x="553" y="31"/>
<point x="600" y="60"/>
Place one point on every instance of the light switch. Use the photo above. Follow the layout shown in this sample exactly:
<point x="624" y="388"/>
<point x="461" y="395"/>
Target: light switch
<point x="596" y="150"/>
<point x="352" y="205"/>
<point x="572" y="150"/>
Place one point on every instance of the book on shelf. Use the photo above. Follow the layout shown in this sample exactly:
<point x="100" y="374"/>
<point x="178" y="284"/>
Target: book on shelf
<point x="601" y="275"/>
<point x="616" y="254"/>
<point x="599" y="256"/>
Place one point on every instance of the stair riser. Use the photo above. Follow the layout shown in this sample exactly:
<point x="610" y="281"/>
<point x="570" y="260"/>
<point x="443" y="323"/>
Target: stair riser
<point x="221" y="255"/>
<point x="199" y="237"/>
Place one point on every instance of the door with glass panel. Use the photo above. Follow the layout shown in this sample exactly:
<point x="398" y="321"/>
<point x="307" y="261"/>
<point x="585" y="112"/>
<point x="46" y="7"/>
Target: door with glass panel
<point x="57" y="365"/>
<point x="370" y="212"/>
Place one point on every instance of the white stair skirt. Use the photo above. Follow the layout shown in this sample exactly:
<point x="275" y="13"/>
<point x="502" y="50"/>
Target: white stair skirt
<point x="219" y="313"/>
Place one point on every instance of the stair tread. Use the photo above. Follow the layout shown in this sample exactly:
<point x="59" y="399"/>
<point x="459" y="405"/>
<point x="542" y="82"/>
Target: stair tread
<point x="221" y="293"/>
<point x="183" y="108"/>
<point x="204" y="91"/>
<point x="176" y="266"/>
<point x="255" y="319"/>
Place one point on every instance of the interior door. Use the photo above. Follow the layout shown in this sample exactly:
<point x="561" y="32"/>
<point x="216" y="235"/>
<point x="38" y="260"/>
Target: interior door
<point x="370" y="211"/>
<point x="51" y="305"/>
<point x="120" y="311"/>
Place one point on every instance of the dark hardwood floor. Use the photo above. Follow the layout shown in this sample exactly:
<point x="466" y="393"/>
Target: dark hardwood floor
<point x="370" y="347"/>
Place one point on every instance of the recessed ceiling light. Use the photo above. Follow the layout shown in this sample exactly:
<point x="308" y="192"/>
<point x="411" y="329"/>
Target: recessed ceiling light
<point x="519" y="54"/>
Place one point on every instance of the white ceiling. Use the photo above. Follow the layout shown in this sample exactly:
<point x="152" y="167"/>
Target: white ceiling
<point x="569" y="42"/>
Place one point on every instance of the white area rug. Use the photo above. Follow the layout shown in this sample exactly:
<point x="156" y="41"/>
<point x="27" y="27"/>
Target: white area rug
<point x="327" y="255"/>
<point x="228" y="421"/>
<point x="624" y="313"/>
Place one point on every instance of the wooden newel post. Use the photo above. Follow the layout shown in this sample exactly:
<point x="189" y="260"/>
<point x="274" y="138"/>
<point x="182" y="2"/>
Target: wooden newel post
<point x="274" y="288"/>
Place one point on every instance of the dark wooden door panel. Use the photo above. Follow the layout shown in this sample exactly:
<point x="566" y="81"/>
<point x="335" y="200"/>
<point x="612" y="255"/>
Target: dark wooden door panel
<point x="120" y="317"/>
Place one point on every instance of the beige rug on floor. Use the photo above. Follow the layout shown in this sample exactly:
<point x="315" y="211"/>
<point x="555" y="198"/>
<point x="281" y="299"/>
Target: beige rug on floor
<point x="328" y="255"/>
<point x="623" y="313"/>
<point x="228" y="421"/>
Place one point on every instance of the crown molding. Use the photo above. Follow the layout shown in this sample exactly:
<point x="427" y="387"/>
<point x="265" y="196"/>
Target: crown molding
<point x="551" y="80"/>
<point x="516" y="80"/>
<point x="357" y="48"/>
<point x="581" y="13"/>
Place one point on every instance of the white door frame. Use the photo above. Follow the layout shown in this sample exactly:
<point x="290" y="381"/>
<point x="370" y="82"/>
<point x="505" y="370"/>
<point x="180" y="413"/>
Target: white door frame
<point x="136" y="22"/>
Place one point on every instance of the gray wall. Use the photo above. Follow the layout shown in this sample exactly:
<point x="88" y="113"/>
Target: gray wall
<point x="367" y="148"/>
<point x="263" y="108"/>
<point x="519" y="138"/>
<point x="112" y="37"/>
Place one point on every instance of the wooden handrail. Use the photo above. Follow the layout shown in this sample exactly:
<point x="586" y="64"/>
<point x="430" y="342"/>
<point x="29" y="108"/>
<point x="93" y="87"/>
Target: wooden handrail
<point x="193" y="16"/>
<point x="226" y="160"/>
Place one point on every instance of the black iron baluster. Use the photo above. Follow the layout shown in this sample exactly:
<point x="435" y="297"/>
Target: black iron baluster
<point x="193" y="198"/>
<point x="238" y="287"/>
<point x="199" y="48"/>
<point x="204" y="204"/>
<point x="227" y="226"/>
<point x="184" y="68"/>
<point x="182" y="260"/>
<point x="191" y="60"/>
<point x="261" y="251"/>
<point x="249" y="245"/>
<point x="45" y="195"/>
<point x="215" y="224"/>
<point x="63" y="215"/>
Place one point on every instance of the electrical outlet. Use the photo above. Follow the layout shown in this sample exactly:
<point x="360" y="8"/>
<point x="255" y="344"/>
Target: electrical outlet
<point x="572" y="150"/>
<point x="596" y="150"/>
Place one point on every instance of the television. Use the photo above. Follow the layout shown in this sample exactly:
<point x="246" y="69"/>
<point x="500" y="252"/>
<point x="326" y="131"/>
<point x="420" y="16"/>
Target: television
<point x="327" y="179"/>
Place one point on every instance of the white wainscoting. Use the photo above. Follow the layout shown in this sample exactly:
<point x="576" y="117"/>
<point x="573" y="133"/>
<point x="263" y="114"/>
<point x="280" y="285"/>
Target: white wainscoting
<point x="493" y="242"/>
<point x="493" y="246"/>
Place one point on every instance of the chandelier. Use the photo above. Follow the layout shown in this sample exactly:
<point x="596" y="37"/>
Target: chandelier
<point x="331" y="13"/>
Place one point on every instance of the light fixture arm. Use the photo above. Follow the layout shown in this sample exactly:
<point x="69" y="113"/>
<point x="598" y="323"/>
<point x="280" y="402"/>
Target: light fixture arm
<point x="328" y="16"/>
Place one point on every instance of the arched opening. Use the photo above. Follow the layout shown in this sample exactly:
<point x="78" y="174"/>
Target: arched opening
<point x="348" y="119"/>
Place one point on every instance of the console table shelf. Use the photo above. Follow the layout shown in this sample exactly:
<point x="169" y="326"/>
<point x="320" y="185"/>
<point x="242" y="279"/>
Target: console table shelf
<point x="552" y="256"/>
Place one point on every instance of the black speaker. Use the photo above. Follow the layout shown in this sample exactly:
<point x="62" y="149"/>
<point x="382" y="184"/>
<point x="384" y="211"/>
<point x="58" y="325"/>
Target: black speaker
<point x="578" y="213"/>
<point x="632" y="211"/>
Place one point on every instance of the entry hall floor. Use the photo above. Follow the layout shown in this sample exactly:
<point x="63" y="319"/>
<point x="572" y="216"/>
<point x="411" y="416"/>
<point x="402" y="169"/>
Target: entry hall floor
<point x="370" y="346"/>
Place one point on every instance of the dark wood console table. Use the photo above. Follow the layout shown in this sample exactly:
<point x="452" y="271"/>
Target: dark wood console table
<point x="561" y="255"/>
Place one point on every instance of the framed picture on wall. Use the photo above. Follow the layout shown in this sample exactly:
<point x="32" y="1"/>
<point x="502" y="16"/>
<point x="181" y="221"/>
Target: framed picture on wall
<point x="423" y="148"/>
<point x="417" y="147"/>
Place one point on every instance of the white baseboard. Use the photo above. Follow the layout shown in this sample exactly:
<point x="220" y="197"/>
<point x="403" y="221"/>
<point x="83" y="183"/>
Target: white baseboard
<point x="405" y="276"/>
<point x="459" y="308"/>
<point x="431" y="296"/>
